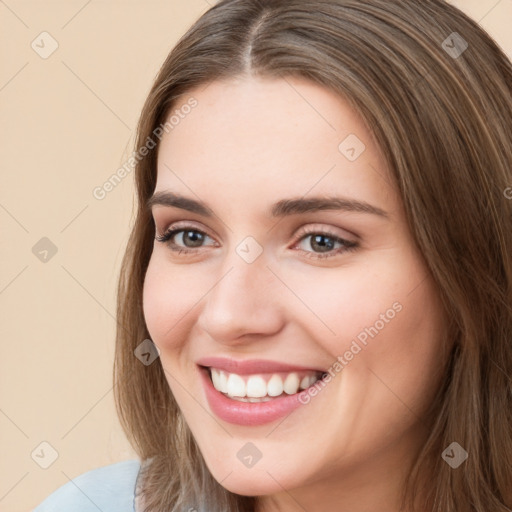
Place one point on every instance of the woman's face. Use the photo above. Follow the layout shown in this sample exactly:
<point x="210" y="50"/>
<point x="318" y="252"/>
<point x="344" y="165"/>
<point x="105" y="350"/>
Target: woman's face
<point x="269" y="274"/>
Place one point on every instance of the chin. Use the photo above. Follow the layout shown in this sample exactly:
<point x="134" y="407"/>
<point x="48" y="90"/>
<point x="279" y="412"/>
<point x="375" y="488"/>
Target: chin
<point x="250" y="482"/>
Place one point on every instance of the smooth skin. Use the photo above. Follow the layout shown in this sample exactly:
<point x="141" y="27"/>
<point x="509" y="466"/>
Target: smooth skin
<point x="249" y="143"/>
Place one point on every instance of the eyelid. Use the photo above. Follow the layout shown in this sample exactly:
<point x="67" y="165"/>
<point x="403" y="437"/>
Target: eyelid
<point x="169" y="232"/>
<point x="186" y="224"/>
<point x="320" y="228"/>
<point x="305" y="231"/>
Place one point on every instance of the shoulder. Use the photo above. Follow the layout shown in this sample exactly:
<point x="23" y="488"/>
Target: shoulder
<point x="109" y="489"/>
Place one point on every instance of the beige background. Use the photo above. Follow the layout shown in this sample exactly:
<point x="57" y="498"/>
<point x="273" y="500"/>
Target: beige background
<point x="67" y="123"/>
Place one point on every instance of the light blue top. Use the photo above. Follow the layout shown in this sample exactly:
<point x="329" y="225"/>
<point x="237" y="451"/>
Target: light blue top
<point x="106" y="489"/>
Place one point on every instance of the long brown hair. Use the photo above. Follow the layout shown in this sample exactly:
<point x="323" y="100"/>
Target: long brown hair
<point x="440" y="107"/>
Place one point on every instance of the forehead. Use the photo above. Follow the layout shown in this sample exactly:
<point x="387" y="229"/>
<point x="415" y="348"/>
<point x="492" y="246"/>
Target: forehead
<point x="250" y="138"/>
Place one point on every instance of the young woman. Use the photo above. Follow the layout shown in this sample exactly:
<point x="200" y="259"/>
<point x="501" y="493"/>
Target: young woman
<point x="316" y="295"/>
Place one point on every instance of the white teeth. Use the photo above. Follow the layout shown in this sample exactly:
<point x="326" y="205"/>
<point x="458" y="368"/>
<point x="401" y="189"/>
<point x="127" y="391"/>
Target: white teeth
<point x="215" y="379"/>
<point x="275" y="386"/>
<point x="304" y="383"/>
<point x="220" y="381"/>
<point x="223" y="382"/>
<point x="255" y="389"/>
<point x="236" y="385"/>
<point x="253" y="400"/>
<point x="291" y="384"/>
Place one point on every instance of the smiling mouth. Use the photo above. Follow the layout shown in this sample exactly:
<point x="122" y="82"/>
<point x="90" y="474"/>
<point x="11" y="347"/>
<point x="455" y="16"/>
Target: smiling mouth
<point x="262" y="387"/>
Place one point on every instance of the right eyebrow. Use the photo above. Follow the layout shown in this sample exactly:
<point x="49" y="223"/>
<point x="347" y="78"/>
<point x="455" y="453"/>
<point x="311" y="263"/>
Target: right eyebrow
<point x="175" y="200"/>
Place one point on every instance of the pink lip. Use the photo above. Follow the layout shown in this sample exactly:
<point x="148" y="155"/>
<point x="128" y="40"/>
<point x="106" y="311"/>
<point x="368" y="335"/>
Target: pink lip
<point x="247" y="413"/>
<point x="248" y="366"/>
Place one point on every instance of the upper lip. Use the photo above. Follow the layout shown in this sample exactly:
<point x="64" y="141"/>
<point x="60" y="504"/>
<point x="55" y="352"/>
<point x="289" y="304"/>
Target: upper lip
<point x="248" y="366"/>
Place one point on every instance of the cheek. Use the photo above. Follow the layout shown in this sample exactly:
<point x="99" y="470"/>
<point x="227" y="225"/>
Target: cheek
<point x="412" y="334"/>
<point x="401" y="360"/>
<point x="385" y="316"/>
<point x="168" y="300"/>
<point x="413" y="346"/>
<point x="338" y="306"/>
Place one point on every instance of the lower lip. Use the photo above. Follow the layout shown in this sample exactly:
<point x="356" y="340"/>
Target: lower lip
<point x="247" y="413"/>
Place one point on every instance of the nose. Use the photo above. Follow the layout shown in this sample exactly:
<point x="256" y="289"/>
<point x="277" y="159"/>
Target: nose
<point x="244" y="302"/>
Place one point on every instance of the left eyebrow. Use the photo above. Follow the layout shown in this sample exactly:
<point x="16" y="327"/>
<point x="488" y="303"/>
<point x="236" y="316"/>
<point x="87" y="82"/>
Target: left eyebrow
<point x="313" y="204"/>
<point x="282" y="208"/>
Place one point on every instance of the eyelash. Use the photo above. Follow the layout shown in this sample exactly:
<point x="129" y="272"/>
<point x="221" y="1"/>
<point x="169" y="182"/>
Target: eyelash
<point x="347" y="245"/>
